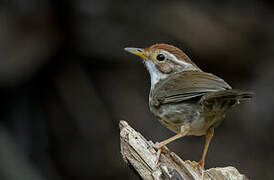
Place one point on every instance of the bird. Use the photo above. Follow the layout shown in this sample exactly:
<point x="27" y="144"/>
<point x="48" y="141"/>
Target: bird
<point x="185" y="99"/>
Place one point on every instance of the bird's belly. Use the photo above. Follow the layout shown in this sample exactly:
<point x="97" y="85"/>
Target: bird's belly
<point x="175" y="116"/>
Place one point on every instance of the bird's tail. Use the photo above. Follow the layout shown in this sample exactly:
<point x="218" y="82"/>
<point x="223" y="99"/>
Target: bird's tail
<point x="230" y="94"/>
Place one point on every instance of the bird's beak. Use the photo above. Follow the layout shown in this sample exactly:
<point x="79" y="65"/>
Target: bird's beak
<point x="136" y="51"/>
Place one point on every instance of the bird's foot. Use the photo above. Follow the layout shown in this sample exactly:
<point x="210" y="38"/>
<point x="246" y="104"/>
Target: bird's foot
<point x="159" y="149"/>
<point x="196" y="165"/>
<point x="157" y="146"/>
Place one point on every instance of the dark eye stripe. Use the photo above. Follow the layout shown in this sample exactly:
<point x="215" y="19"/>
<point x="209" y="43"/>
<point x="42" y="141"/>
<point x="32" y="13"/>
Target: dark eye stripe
<point x="160" y="57"/>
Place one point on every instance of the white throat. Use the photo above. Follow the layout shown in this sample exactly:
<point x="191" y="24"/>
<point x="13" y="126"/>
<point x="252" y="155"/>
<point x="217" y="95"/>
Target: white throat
<point x="155" y="74"/>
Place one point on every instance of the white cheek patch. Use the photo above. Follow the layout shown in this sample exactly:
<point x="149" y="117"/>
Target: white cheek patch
<point x="155" y="74"/>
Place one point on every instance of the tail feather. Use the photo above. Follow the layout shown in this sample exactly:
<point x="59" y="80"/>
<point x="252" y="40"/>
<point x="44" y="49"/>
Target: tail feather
<point x="230" y="94"/>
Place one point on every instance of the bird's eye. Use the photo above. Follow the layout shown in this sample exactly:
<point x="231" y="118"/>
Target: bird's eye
<point x="160" y="57"/>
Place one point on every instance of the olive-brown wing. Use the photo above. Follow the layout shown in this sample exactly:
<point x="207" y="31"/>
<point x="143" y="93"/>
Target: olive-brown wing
<point x="186" y="85"/>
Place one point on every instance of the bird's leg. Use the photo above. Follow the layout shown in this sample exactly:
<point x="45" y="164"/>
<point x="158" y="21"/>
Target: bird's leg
<point x="184" y="131"/>
<point x="158" y="146"/>
<point x="201" y="163"/>
<point x="209" y="135"/>
<point x="165" y="142"/>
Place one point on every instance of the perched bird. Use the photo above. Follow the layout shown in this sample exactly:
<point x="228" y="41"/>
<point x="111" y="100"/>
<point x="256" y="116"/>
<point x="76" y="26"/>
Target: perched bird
<point x="185" y="99"/>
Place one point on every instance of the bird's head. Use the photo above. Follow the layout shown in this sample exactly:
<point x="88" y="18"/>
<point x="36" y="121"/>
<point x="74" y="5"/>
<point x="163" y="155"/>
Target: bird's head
<point x="163" y="59"/>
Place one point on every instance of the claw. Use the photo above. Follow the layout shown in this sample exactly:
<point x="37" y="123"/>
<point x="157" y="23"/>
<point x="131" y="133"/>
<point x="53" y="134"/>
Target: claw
<point x="202" y="164"/>
<point x="158" y="156"/>
<point x="158" y="147"/>
<point x="196" y="165"/>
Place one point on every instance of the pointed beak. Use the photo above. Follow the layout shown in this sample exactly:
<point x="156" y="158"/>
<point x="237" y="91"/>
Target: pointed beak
<point x="136" y="51"/>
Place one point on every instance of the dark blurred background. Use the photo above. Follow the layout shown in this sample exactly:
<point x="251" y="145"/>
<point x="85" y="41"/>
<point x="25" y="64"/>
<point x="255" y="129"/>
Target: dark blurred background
<point x="65" y="82"/>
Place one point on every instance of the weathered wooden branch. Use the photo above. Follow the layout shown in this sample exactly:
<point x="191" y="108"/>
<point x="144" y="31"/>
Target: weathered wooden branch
<point x="140" y="154"/>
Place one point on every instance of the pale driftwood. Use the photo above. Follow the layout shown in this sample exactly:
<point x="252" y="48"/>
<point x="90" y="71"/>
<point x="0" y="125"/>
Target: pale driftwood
<point x="140" y="154"/>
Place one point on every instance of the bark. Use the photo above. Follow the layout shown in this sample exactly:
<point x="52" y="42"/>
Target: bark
<point x="139" y="154"/>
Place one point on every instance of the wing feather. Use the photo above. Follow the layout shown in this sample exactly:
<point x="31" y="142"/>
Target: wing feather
<point x="186" y="85"/>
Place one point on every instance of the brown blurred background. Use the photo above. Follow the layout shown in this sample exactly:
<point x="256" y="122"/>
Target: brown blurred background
<point x="65" y="82"/>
